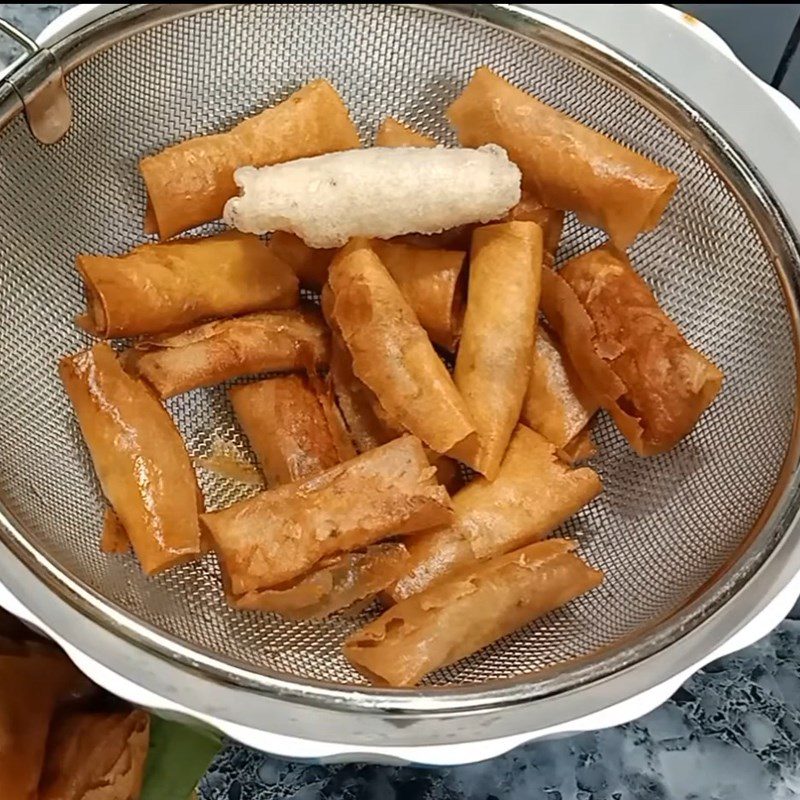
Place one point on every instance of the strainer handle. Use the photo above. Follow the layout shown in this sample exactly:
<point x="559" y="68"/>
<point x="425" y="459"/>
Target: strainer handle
<point x="38" y="81"/>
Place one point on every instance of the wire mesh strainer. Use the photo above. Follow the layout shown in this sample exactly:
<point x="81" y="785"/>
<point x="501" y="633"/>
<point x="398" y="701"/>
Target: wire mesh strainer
<point x="676" y="534"/>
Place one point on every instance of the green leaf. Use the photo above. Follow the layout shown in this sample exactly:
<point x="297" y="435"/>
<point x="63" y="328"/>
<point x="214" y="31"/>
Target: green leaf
<point x="178" y="757"/>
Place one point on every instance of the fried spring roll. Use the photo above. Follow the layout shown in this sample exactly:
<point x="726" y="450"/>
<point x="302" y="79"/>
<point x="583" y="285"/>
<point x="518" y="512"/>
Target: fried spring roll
<point x="469" y="611"/>
<point x="393" y="355"/>
<point x="368" y="425"/>
<point x="533" y="493"/>
<point x="393" y="133"/>
<point x="564" y="164"/>
<point x="557" y="404"/>
<point x="188" y="183"/>
<point x="663" y="384"/>
<point x="310" y="265"/>
<point x="166" y="287"/>
<point x="494" y="359"/>
<point x="139" y="456"/>
<point x="114" y="539"/>
<point x="550" y="220"/>
<point x="279" y="534"/>
<point x="270" y="341"/>
<point x="346" y="579"/>
<point x="32" y="684"/>
<point x="289" y="428"/>
<point x="432" y="281"/>
<point x="96" y="756"/>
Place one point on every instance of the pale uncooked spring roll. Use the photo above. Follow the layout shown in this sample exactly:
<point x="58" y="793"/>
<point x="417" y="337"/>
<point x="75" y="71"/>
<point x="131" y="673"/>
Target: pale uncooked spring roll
<point x="269" y="341"/>
<point x="432" y="281"/>
<point x="286" y="423"/>
<point x="346" y="579"/>
<point x="188" y="183"/>
<point x="469" y="611"/>
<point x="393" y="133"/>
<point x="156" y="288"/>
<point x="564" y="164"/>
<point x="532" y="495"/>
<point x="557" y="404"/>
<point x="666" y="383"/>
<point x="379" y="192"/>
<point x="310" y="265"/>
<point x="96" y="756"/>
<point x="139" y="457"/>
<point x="282" y="533"/>
<point x="393" y="355"/>
<point x="494" y="359"/>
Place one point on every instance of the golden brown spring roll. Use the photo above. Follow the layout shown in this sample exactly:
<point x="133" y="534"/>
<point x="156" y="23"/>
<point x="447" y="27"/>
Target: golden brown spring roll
<point x="188" y="183"/>
<point x="279" y="534"/>
<point x="114" y="539"/>
<point x="393" y="355"/>
<point x="270" y="341"/>
<point x="139" y="456"/>
<point x="665" y="383"/>
<point x="494" y="359"/>
<point x="338" y="583"/>
<point x="557" y="404"/>
<point x="310" y="265"/>
<point x="432" y="281"/>
<point x="550" y="220"/>
<point x="564" y="164"/>
<point x="96" y="756"/>
<point x="32" y="685"/>
<point x="366" y="423"/>
<point x="469" y="611"/>
<point x="288" y="428"/>
<point x="448" y="472"/>
<point x="579" y="449"/>
<point x="167" y="287"/>
<point x="393" y="133"/>
<point x="531" y="496"/>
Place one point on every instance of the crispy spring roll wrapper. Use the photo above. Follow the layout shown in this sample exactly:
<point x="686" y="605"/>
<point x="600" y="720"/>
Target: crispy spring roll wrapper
<point x="666" y="383"/>
<point x="269" y="341"/>
<point x="534" y="493"/>
<point x="557" y="404"/>
<point x="33" y="682"/>
<point x="564" y="164"/>
<point x="280" y="534"/>
<point x="114" y="539"/>
<point x="448" y="472"/>
<point x="188" y="183"/>
<point x="550" y="220"/>
<point x="393" y="133"/>
<point x="336" y="584"/>
<point x="96" y="756"/>
<point x="494" y="359"/>
<point x="289" y="428"/>
<point x="139" y="456"/>
<point x="310" y="265"/>
<point x="157" y="288"/>
<point x="469" y="611"/>
<point x="393" y="355"/>
<point x="432" y="281"/>
<point x="579" y="449"/>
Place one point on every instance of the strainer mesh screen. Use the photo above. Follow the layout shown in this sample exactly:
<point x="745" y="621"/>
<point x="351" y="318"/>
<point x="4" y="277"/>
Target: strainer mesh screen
<point x="662" y="526"/>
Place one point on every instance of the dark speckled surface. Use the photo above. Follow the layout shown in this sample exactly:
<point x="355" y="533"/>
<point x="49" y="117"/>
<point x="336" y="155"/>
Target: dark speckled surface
<point x="731" y="733"/>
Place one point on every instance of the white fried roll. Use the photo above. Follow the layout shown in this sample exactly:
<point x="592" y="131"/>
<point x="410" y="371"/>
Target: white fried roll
<point x="379" y="192"/>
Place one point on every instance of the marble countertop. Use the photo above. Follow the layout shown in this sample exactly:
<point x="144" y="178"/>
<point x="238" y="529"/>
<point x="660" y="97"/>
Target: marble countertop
<point x="731" y="733"/>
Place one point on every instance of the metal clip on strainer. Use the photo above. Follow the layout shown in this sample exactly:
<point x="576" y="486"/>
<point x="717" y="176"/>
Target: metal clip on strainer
<point x="699" y="545"/>
<point x="38" y="81"/>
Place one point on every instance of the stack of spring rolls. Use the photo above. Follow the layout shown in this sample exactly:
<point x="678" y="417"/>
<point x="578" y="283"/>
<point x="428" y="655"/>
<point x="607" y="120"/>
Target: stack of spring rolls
<point x="420" y="255"/>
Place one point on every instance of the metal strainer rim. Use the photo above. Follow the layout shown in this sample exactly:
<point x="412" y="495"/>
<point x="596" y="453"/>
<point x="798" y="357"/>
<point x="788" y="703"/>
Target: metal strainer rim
<point x="429" y="700"/>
